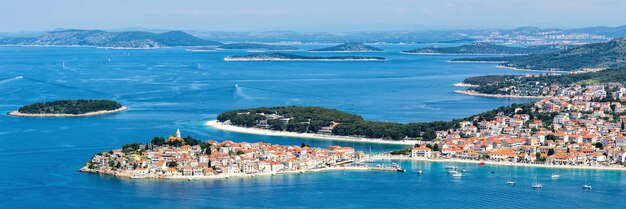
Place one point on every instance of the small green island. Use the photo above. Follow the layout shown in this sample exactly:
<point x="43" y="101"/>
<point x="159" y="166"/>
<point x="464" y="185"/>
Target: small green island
<point x="256" y="46"/>
<point x="349" y="47"/>
<point x="67" y="108"/>
<point x="294" y="57"/>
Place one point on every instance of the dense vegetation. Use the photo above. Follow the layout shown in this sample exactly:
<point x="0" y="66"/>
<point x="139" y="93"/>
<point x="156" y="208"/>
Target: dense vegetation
<point x="487" y="79"/>
<point x="74" y="107"/>
<point x="303" y="119"/>
<point x="610" y="54"/>
<point x="283" y="56"/>
<point x="354" y="125"/>
<point x="485" y="48"/>
<point x="492" y="83"/>
<point x="251" y="46"/>
<point x="349" y="47"/>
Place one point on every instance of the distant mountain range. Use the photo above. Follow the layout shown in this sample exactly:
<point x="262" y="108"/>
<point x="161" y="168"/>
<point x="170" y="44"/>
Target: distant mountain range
<point x="485" y="48"/>
<point x="349" y="47"/>
<point x="98" y="38"/>
<point x="256" y="46"/>
<point x="610" y="54"/>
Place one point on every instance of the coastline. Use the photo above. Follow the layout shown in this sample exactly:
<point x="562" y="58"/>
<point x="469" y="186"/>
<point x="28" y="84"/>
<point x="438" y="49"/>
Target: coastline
<point x="487" y="162"/>
<point x="257" y="131"/>
<point x="299" y="60"/>
<point x="130" y="175"/>
<point x="464" y="85"/>
<point x="19" y="114"/>
<point x="474" y="93"/>
<point x="530" y="70"/>
<point x="439" y="53"/>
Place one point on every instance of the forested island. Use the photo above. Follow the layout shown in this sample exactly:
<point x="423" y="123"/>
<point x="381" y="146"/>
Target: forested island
<point x="62" y="108"/>
<point x="256" y="46"/>
<point x="594" y="56"/>
<point x="534" y="85"/>
<point x="349" y="47"/>
<point x="486" y="48"/>
<point x="294" y="57"/>
<point x="319" y="120"/>
<point x="98" y="38"/>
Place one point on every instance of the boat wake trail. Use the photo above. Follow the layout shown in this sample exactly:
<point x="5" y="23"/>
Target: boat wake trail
<point x="11" y="79"/>
<point x="66" y="86"/>
<point x="239" y="93"/>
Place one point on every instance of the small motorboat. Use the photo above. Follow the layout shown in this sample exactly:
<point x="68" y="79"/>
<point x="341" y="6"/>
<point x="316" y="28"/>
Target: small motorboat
<point x="586" y="186"/>
<point x="400" y="170"/>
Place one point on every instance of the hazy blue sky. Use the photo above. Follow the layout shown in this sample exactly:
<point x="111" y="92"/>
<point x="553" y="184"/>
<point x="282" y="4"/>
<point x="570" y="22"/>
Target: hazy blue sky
<point x="313" y="15"/>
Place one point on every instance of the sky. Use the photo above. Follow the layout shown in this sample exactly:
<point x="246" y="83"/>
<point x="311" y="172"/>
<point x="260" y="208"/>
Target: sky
<point x="312" y="15"/>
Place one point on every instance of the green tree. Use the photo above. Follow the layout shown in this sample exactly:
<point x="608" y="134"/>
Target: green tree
<point x="158" y="141"/>
<point x="550" y="152"/>
<point x="599" y="145"/>
<point x="435" y="147"/>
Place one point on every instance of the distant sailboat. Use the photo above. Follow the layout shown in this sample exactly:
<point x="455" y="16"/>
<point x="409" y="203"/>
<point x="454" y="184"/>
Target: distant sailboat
<point x="586" y="185"/>
<point x="510" y="180"/>
<point x="536" y="185"/>
<point x="458" y="174"/>
<point x="555" y="175"/>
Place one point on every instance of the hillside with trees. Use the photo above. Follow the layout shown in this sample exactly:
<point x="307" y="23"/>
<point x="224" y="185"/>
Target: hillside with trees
<point x="73" y="107"/>
<point x="604" y="55"/>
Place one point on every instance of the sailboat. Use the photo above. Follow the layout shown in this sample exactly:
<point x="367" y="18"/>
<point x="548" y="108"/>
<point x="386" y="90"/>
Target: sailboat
<point x="419" y="170"/>
<point x="536" y="185"/>
<point x="510" y="180"/>
<point x="555" y="175"/>
<point x="457" y="174"/>
<point x="586" y="185"/>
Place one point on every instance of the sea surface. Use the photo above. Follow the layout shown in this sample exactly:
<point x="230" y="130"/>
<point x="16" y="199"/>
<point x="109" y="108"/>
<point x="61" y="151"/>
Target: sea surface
<point x="166" y="89"/>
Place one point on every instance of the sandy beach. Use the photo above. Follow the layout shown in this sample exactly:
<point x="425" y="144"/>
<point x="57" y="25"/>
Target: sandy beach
<point x="257" y="131"/>
<point x="474" y="93"/>
<point x="19" y="114"/>
<point x="464" y="85"/>
<point x="487" y="162"/>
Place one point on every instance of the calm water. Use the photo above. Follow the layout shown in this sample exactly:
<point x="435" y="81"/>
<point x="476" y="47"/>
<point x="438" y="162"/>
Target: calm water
<point x="167" y="89"/>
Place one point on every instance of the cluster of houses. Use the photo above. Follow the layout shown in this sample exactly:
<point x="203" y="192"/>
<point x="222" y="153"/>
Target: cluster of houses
<point x="217" y="158"/>
<point x="583" y="131"/>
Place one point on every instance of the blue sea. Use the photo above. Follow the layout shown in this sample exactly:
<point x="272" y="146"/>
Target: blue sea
<point x="166" y="89"/>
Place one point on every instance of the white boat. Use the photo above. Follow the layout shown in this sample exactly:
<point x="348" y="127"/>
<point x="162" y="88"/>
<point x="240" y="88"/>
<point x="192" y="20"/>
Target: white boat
<point x="452" y="172"/>
<point x="510" y="180"/>
<point x="457" y="175"/>
<point x="420" y="171"/>
<point x="555" y="176"/>
<point x="586" y="185"/>
<point x="450" y="167"/>
<point x="536" y="185"/>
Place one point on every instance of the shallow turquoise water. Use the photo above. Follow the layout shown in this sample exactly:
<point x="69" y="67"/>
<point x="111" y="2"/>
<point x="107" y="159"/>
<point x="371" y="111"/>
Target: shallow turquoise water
<point x="167" y="89"/>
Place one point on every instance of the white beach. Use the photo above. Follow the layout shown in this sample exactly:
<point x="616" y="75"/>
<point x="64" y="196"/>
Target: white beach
<point x="257" y="131"/>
